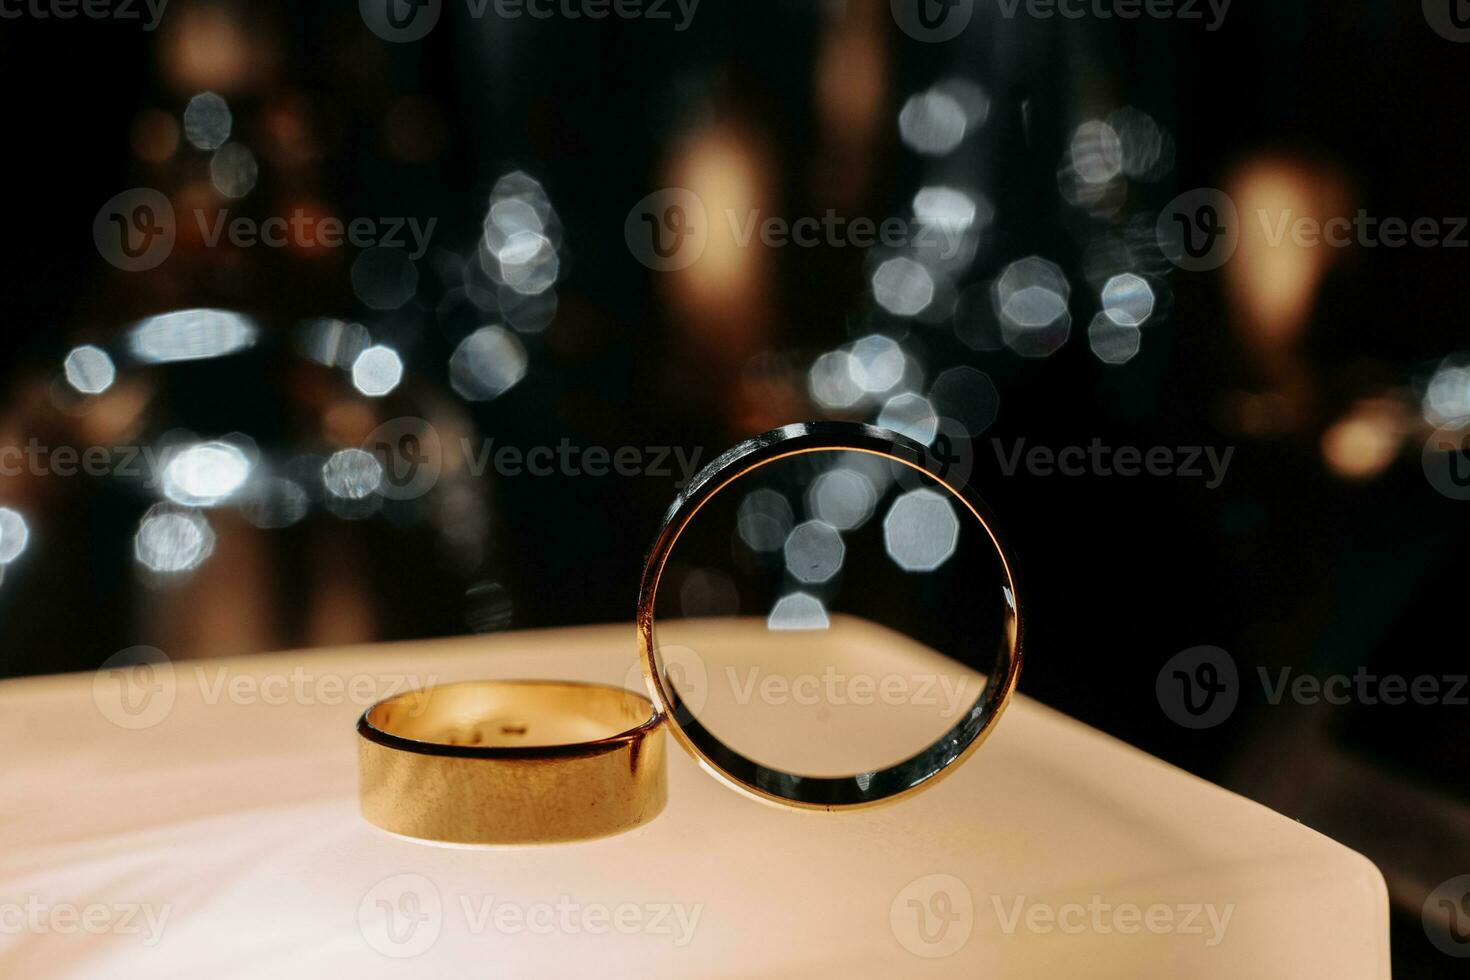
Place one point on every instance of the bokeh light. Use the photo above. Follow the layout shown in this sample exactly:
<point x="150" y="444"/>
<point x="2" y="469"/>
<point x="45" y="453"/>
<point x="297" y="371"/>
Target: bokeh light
<point x="377" y="371"/>
<point x="352" y="474"/>
<point x="15" y="534"/>
<point x="191" y="335"/>
<point x="207" y="121"/>
<point x="205" y="474"/>
<point x="90" y="370"/>
<point x="921" y="530"/>
<point x="171" y="542"/>
<point x="814" y="552"/>
<point x="487" y="364"/>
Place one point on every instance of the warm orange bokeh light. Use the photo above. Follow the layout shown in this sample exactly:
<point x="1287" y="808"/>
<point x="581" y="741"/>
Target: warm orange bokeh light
<point x="1274" y="277"/>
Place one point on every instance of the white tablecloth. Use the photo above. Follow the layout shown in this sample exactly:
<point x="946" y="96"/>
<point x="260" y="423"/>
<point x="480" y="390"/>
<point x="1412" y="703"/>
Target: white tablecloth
<point x="222" y="839"/>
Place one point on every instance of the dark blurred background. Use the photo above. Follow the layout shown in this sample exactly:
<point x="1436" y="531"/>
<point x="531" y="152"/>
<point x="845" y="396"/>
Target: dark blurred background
<point x="1048" y="148"/>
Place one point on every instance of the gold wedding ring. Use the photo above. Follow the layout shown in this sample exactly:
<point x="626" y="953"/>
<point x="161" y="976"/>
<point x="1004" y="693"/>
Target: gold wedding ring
<point x="791" y="789"/>
<point x="511" y="762"/>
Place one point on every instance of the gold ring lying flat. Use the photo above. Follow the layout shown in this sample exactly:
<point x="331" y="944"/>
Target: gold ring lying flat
<point x="511" y="762"/>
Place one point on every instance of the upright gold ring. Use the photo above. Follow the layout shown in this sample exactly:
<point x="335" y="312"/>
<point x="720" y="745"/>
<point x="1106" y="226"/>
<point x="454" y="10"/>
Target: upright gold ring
<point x="511" y="762"/>
<point x="792" y="789"/>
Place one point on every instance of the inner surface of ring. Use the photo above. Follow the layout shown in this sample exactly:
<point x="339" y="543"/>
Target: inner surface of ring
<point x="511" y="714"/>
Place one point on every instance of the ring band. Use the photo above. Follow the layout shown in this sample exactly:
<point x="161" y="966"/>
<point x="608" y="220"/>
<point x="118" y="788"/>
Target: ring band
<point x="511" y="762"/>
<point x="772" y="785"/>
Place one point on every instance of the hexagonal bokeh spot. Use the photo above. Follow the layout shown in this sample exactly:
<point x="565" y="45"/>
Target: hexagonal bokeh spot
<point x="1128" y="300"/>
<point x="798" y="611"/>
<point x="910" y="415"/>
<point x="1112" y="342"/>
<point x="843" y="498"/>
<point x="814" y="552"/>
<point x="764" y="520"/>
<point x="921" y="530"/>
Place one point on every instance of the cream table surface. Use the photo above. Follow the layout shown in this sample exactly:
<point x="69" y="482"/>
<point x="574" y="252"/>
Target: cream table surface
<point x="208" y="827"/>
